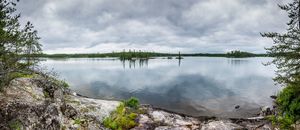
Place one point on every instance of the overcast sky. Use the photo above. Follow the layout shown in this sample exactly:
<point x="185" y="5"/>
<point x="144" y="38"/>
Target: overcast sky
<point x="88" y="26"/>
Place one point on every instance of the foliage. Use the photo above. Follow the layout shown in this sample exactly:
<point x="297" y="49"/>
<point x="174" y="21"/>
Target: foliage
<point x="17" y="43"/>
<point x="132" y="102"/>
<point x="121" y="119"/>
<point x="288" y="101"/>
<point x="79" y="121"/>
<point x="239" y="54"/>
<point x="49" y="82"/>
<point x="15" y="125"/>
<point x="62" y="83"/>
<point x="286" y="50"/>
<point x="131" y="55"/>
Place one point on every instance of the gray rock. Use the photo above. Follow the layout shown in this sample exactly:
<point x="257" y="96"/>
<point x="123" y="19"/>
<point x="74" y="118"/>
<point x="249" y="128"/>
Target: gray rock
<point x="172" y="128"/>
<point x="221" y="125"/>
<point x="24" y="105"/>
<point x="144" y="119"/>
<point x="265" y="111"/>
<point x="69" y="111"/>
<point x="167" y="120"/>
<point x="58" y="95"/>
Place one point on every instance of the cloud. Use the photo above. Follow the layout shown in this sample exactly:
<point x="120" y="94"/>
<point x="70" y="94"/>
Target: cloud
<point x="76" y="26"/>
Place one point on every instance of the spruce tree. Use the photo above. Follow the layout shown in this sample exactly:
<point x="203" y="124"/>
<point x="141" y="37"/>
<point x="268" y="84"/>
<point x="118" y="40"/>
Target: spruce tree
<point x="286" y="48"/>
<point x="17" y="44"/>
<point x="286" y="53"/>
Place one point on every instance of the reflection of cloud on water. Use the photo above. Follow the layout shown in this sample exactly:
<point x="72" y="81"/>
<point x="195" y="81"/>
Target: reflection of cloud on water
<point x="173" y="95"/>
<point x="198" y="82"/>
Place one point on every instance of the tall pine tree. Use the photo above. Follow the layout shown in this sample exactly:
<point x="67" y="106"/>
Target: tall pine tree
<point x="17" y="44"/>
<point x="286" y="49"/>
<point x="286" y="52"/>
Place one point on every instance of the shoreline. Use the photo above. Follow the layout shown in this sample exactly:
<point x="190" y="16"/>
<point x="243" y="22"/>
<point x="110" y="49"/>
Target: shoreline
<point x="237" y="115"/>
<point x="31" y="105"/>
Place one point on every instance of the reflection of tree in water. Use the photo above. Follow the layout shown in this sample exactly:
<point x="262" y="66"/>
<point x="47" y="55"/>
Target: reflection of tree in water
<point x="236" y="62"/>
<point x="133" y="63"/>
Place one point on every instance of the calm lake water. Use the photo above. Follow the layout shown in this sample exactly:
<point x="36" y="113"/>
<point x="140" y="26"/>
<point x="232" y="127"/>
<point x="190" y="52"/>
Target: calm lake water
<point x="198" y="86"/>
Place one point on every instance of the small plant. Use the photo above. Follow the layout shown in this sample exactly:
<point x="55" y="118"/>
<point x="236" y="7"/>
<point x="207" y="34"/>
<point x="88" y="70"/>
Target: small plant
<point x="46" y="94"/>
<point x="132" y="103"/>
<point x="124" y="116"/>
<point x="15" y="125"/>
<point x="60" y="83"/>
<point x="77" y="121"/>
<point x="64" y="84"/>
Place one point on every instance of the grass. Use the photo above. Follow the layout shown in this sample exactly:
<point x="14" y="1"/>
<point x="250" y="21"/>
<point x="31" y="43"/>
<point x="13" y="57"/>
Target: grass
<point x="124" y="117"/>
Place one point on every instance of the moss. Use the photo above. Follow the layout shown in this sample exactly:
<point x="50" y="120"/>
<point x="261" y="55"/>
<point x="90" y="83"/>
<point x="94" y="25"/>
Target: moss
<point x="15" y="125"/>
<point x="120" y="119"/>
<point x="21" y="75"/>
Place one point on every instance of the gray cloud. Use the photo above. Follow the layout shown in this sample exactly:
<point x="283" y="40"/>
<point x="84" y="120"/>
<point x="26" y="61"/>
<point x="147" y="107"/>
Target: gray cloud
<point x="76" y="26"/>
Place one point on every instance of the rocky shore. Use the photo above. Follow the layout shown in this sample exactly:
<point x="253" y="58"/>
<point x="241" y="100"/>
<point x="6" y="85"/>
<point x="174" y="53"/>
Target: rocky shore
<point x="27" y="105"/>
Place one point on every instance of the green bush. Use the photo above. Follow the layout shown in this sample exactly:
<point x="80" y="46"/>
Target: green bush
<point x="64" y="84"/>
<point x="132" y="103"/>
<point x="60" y="83"/>
<point x="121" y="119"/>
<point x="288" y="102"/>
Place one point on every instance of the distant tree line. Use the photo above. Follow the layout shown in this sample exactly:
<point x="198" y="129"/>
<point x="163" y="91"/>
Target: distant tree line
<point x="239" y="54"/>
<point x="145" y="54"/>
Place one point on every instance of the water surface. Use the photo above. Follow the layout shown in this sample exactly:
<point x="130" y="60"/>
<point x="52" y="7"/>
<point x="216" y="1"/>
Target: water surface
<point x="198" y="86"/>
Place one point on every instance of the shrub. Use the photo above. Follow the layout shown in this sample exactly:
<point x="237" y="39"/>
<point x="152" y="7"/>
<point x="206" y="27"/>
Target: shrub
<point x="288" y="103"/>
<point x="132" y="102"/>
<point x="120" y="119"/>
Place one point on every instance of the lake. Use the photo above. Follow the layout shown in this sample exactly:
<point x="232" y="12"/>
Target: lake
<point x="197" y="86"/>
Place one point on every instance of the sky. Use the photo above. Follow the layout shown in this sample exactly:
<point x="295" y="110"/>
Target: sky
<point x="189" y="26"/>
